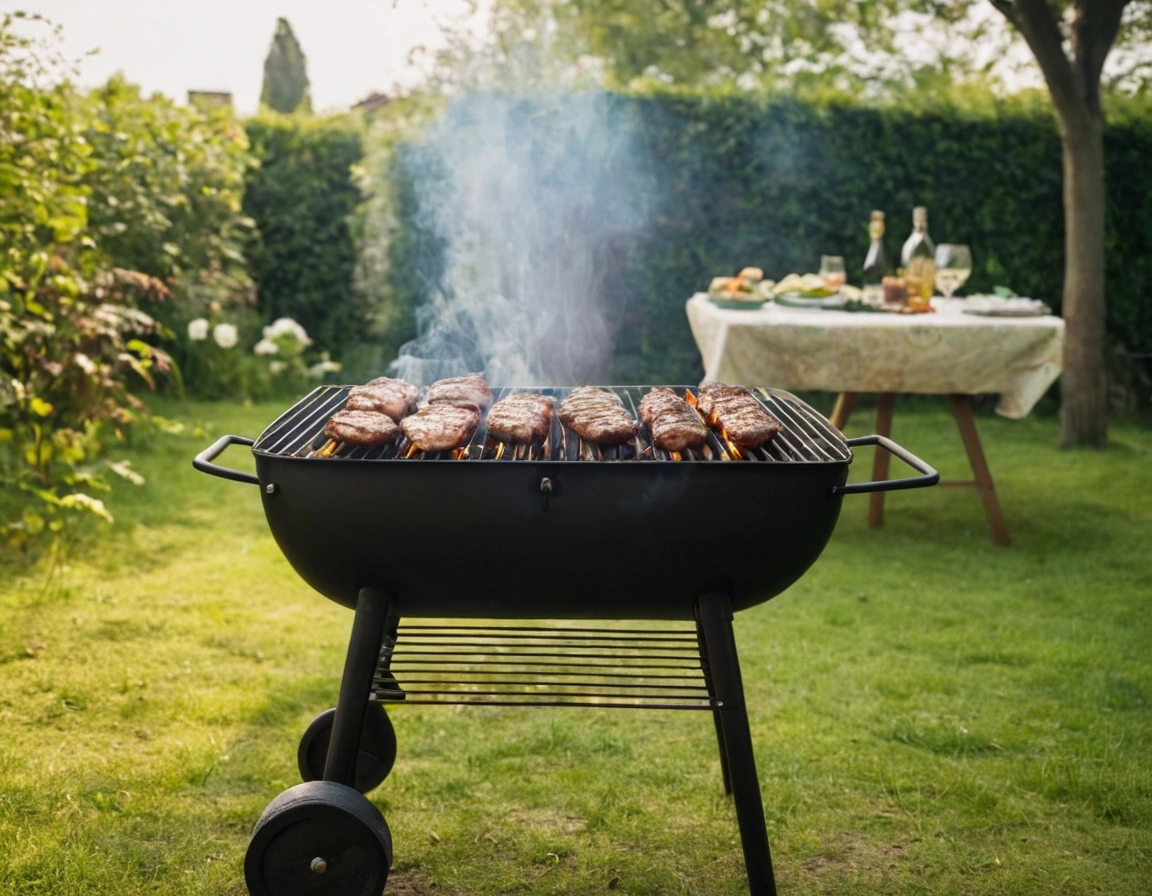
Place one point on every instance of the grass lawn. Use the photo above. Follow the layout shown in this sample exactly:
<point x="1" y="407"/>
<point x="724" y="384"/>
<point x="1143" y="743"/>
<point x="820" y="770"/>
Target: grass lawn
<point x="931" y="714"/>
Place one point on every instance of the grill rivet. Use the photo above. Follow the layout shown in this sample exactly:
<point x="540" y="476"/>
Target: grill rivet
<point x="546" y="485"/>
<point x="270" y="488"/>
<point x="319" y="865"/>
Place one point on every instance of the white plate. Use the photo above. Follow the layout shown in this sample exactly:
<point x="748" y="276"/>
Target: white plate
<point x="1009" y="307"/>
<point x="795" y="300"/>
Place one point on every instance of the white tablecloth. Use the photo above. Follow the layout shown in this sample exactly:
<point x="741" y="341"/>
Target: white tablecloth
<point x="947" y="352"/>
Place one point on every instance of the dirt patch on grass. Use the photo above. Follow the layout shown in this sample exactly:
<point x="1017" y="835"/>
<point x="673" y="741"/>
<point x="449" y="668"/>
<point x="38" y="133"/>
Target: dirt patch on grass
<point x="850" y="853"/>
<point x="411" y="883"/>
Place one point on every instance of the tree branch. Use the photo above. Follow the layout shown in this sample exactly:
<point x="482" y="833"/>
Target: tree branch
<point x="1094" y="30"/>
<point x="1041" y="31"/>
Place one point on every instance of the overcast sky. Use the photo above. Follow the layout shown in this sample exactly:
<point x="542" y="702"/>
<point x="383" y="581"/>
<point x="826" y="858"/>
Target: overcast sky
<point x="354" y="47"/>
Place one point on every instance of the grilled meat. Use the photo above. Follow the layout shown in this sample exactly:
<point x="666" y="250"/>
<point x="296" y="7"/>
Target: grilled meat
<point x="471" y="388"/>
<point x="597" y="415"/>
<point x="674" y="424"/>
<point x="361" y="427"/>
<point x="524" y="417"/>
<point x="442" y="426"/>
<point x="738" y="412"/>
<point x="383" y="395"/>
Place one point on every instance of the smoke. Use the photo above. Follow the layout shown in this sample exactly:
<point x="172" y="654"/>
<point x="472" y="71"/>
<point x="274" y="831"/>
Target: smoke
<point x="535" y="203"/>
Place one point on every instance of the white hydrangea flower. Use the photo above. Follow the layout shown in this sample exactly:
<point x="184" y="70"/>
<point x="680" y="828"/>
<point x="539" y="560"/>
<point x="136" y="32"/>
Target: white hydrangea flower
<point x="198" y="329"/>
<point x="287" y="326"/>
<point x="225" y="335"/>
<point x="266" y="346"/>
<point x="318" y="370"/>
<point x="277" y="367"/>
<point x="84" y="363"/>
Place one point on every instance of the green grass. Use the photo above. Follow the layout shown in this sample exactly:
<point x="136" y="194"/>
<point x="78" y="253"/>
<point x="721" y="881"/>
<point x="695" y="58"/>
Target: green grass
<point x="931" y="714"/>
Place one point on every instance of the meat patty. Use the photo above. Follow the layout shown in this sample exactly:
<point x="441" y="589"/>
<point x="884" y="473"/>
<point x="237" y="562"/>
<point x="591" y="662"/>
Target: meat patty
<point x="442" y="426"/>
<point x="738" y="412"/>
<point x="524" y="418"/>
<point x="597" y="415"/>
<point x="471" y="388"/>
<point x="384" y="395"/>
<point x="674" y="424"/>
<point x="361" y="428"/>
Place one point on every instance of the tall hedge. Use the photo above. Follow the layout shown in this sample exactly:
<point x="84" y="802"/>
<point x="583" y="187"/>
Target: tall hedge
<point x="731" y="180"/>
<point x="301" y="198"/>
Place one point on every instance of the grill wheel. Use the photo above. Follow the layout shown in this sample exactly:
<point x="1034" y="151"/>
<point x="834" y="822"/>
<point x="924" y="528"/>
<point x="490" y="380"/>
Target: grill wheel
<point x="374" y="760"/>
<point x="319" y="838"/>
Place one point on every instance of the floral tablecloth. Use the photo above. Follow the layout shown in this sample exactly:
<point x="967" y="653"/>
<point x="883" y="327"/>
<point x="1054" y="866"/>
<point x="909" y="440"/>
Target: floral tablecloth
<point x="947" y="352"/>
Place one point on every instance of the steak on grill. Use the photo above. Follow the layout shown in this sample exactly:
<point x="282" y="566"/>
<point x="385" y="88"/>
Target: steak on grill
<point x="472" y="389"/>
<point x="442" y="425"/>
<point x="361" y="427"/>
<point x="597" y="415"/>
<point x="383" y="395"/>
<point x="524" y="418"/>
<point x="674" y="424"/>
<point x="739" y="414"/>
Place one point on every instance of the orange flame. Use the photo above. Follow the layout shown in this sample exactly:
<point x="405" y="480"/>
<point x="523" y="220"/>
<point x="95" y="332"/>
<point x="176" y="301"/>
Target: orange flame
<point x="328" y="449"/>
<point x="499" y="450"/>
<point x="459" y="453"/>
<point x="411" y="450"/>
<point x="675" y="455"/>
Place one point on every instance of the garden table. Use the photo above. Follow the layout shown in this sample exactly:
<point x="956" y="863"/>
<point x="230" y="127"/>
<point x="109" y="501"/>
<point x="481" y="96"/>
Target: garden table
<point x="945" y="353"/>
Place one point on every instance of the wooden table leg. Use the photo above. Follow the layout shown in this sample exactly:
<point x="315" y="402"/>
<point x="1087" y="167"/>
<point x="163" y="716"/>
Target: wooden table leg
<point x="845" y="402"/>
<point x="885" y="407"/>
<point x="962" y="411"/>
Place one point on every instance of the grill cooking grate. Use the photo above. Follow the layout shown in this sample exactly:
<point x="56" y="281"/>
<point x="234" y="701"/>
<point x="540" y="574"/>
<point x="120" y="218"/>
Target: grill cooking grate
<point x="543" y="666"/>
<point x="805" y="436"/>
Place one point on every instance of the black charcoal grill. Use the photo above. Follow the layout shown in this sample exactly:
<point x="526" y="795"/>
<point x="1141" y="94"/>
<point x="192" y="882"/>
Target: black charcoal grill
<point x="623" y="533"/>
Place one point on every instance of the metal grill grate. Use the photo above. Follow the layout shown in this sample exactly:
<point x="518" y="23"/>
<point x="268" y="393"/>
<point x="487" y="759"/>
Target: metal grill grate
<point x="805" y="436"/>
<point x="543" y="666"/>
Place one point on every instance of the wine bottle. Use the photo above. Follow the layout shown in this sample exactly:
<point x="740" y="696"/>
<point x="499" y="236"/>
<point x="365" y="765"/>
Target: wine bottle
<point x="875" y="263"/>
<point x="919" y="258"/>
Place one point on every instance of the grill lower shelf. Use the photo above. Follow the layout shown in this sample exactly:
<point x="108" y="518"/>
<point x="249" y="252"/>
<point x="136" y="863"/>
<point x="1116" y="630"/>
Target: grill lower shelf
<point x="515" y="665"/>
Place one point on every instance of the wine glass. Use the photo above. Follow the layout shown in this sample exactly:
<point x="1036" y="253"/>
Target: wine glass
<point x="832" y="271"/>
<point x="953" y="265"/>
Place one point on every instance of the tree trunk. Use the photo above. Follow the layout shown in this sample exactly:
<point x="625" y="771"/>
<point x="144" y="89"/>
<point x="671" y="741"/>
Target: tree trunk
<point x="1084" y="405"/>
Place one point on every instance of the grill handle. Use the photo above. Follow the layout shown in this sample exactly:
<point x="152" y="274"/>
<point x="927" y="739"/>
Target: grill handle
<point x="203" y="460"/>
<point x="929" y="475"/>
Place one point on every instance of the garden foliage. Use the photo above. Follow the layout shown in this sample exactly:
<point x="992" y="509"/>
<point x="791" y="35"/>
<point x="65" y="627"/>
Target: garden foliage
<point x="730" y="179"/>
<point x="301" y="197"/>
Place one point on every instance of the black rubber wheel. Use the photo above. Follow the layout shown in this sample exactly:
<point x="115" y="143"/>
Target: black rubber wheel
<point x="319" y="839"/>
<point x="376" y="755"/>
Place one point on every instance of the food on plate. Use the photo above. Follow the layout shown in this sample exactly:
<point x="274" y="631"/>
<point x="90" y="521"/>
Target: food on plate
<point x="808" y="286"/>
<point x="597" y="415"/>
<point x="523" y="417"/>
<point x="748" y="286"/>
<point x="383" y="395"/>
<point x="361" y="427"/>
<point x="738" y="413"/>
<point x="471" y="388"/>
<point x="672" y="422"/>
<point x="442" y="425"/>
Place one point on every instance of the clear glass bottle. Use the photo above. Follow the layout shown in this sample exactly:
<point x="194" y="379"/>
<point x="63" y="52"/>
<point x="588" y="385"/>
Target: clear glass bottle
<point x="919" y="258"/>
<point x="875" y="267"/>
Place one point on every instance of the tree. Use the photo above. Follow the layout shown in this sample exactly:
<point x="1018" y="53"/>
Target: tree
<point x="859" y="47"/>
<point x="285" y="73"/>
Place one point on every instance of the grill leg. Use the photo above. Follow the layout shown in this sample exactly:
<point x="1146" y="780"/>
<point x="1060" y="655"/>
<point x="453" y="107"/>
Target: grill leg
<point x="356" y="685"/>
<point x="715" y="618"/>
<point x="724" y="770"/>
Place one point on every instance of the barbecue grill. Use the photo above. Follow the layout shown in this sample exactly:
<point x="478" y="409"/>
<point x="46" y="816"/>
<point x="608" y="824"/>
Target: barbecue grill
<point x="628" y="532"/>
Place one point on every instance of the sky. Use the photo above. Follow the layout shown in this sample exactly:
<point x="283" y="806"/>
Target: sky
<point x="353" y="47"/>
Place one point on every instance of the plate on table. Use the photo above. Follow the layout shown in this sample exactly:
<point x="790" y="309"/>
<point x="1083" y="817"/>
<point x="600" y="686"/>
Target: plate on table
<point x="730" y="301"/>
<point x="802" y="300"/>
<point x="990" y="306"/>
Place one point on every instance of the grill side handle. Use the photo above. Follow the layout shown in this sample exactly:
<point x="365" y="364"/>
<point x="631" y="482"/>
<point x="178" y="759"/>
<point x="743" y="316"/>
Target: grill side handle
<point x="203" y="460"/>
<point x="928" y="476"/>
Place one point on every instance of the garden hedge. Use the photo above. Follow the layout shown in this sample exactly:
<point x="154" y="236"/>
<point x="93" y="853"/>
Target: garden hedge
<point x="732" y="179"/>
<point x="301" y="198"/>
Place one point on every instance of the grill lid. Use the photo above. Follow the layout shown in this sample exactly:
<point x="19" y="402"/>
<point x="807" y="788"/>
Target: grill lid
<point x="805" y="436"/>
